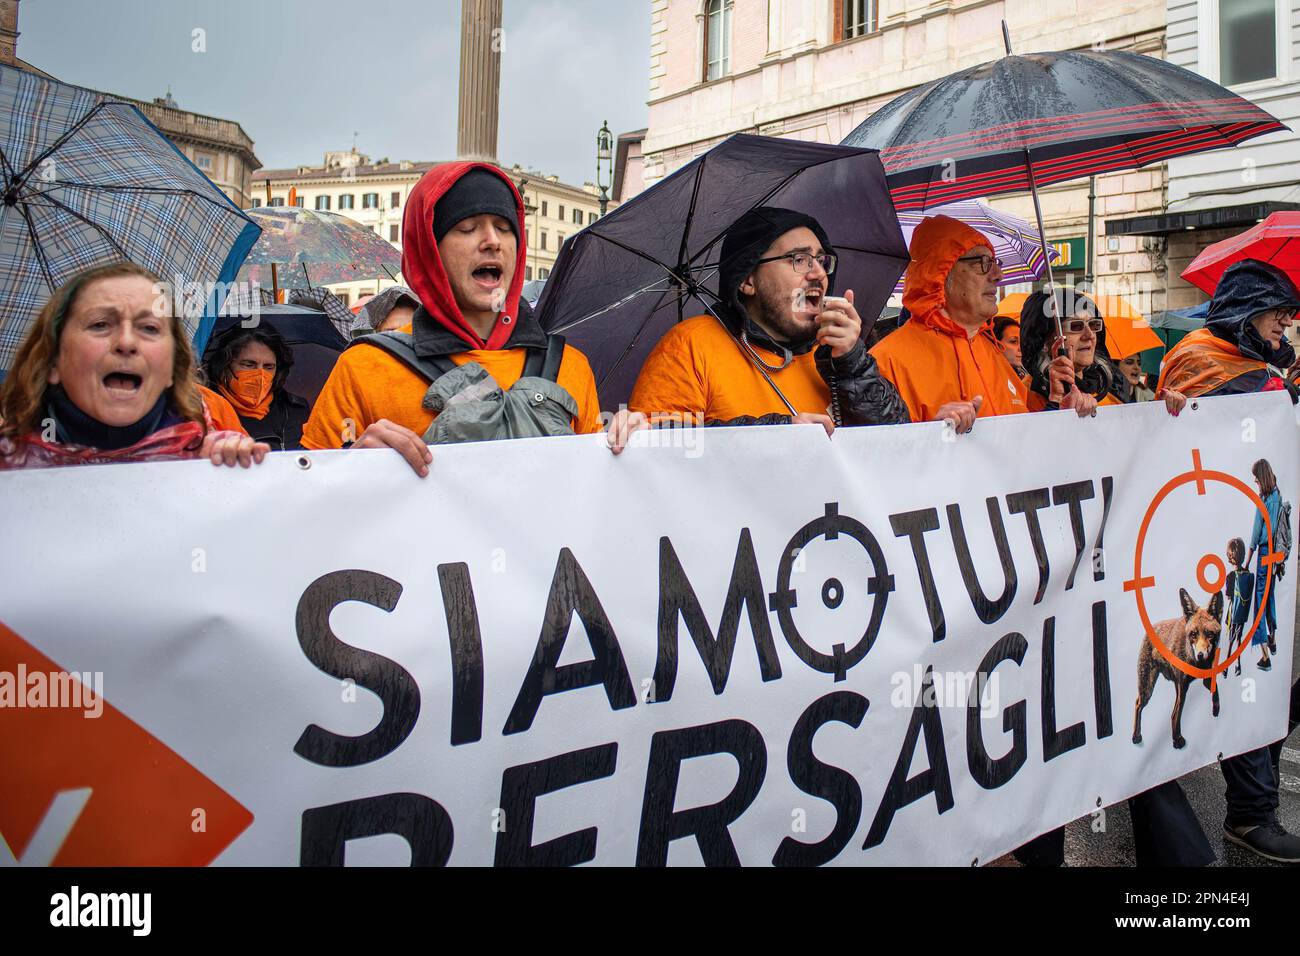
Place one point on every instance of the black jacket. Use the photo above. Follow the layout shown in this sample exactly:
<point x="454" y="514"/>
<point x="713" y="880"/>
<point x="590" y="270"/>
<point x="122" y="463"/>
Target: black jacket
<point x="860" y="395"/>
<point x="282" y="426"/>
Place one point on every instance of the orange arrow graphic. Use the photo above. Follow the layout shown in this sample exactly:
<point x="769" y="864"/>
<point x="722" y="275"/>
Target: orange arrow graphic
<point x="141" y="809"/>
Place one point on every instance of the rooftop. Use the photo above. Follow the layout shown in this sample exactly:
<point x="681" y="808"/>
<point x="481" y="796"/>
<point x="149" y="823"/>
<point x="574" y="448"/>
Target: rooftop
<point x="333" y="169"/>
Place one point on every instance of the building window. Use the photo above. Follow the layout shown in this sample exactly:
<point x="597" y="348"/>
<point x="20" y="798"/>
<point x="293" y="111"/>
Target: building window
<point x="717" y="39"/>
<point x="855" y="18"/>
<point x="544" y="212"/>
<point x="577" y="217"/>
<point x="591" y="217"/>
<point x="345" y="201"/>
<point x="1247" y="41"/>
<point x="543" y="273"/>
<point x="543" y="240"/>
<point x="528" y="273"/>
<point x="300" y="201"/>
<point x="276" y="201"/>
<point x="395" y="201"/>
<point x="256" y="202"/>
<point x="370" y="200"/>
<point x="203" y="161"/>
<point x="559" y="241"/>
<point x="392" y="233"/>
<point x="322" y="202"/>
<point x="561" y="216"/>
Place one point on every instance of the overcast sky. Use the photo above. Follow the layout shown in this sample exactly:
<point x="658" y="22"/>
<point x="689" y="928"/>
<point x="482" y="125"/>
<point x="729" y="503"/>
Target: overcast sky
<point x="301" y="75"/>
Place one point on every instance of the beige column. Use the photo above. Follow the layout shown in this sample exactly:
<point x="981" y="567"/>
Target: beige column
<point x="481" y="46"/>
<point x="8" y="31"/>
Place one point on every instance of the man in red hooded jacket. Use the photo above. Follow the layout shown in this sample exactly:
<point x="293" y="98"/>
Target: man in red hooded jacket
<point x="463" y="255"/>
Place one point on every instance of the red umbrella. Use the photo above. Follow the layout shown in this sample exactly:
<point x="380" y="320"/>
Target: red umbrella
<point x="1276" y="240"/>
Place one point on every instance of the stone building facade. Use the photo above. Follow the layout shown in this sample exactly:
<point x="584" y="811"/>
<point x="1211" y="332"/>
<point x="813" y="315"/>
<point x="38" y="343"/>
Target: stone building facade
<point x="815" y="69"/>
<point x="375" y="193"/>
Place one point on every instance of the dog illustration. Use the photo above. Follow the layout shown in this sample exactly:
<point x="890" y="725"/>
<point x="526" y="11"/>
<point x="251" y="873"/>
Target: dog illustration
<point x="1193" y="639"/>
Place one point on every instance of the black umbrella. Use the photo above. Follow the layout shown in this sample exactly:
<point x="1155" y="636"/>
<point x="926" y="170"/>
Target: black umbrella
<point x="1022" y="122"/>
<point x="1061" y="116"/>
<point x="619" y="284"/>
<point x="310" y="335"/>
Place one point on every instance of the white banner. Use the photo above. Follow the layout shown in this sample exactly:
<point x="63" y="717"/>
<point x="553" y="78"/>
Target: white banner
<point x="755" y="646"/>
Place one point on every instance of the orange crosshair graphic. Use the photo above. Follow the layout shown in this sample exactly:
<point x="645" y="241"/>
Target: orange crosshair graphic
<point x="1138" y="583"/>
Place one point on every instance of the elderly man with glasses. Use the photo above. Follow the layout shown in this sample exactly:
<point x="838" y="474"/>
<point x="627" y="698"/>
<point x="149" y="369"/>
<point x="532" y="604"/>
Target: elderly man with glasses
<point x="945" y="361"/>
<point x="778" y="348"/>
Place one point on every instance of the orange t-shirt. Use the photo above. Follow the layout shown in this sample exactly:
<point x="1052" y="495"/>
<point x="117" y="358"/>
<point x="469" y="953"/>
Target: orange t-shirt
<point x="368" y="384"/>
<point x="221" y="412"/>
<point x="698" y="368"/>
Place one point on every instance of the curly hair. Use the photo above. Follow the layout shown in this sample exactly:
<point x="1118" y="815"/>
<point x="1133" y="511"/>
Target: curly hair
<point x="24" y="393"/>
<point x="219" y="360"/>
<point x="1038" y="330"/>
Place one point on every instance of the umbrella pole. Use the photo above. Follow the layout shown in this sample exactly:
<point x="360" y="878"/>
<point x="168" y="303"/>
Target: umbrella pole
<point x="1038" y="214"/>
<point x="1042" y="241"/>
<point x="275" y="282"/>
<point x="1056" y="302"/>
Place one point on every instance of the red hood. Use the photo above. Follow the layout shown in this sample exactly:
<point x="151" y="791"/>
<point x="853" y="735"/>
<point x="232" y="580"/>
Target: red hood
<point x="422" y="266"/>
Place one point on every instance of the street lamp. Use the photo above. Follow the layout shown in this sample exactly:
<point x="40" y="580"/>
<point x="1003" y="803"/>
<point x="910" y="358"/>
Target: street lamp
<point x="604" y="164"/>
<point x="530" y="209"/>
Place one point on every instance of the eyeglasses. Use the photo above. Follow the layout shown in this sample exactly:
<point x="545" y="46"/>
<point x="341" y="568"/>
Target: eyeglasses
<point x="1076" y="326"/>
<point x="986" y="262"/>
<point x="802" y="262"/>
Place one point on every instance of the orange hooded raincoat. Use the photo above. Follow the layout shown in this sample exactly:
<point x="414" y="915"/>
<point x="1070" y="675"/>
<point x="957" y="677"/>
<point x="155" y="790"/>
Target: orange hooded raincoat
<point x="931" y="359"/>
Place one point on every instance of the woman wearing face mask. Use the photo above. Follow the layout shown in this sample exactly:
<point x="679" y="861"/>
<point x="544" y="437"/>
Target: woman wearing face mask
<point x="249" y="368"/>
<point x="103" y="377"/>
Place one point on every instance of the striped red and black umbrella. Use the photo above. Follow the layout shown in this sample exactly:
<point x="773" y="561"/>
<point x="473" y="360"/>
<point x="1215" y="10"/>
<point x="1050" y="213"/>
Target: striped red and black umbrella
<point x="1055" y="116"/>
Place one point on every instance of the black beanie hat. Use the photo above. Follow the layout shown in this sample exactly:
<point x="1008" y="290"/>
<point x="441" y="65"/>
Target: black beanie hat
<point x="750" y="236"/>
<point x="479" y="192"/>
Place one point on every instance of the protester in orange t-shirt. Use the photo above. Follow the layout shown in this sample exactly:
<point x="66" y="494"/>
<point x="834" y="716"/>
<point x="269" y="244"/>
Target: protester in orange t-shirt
<point x="945" y="361"/>
<point x="779" y="348"/>
<point x="463" y="255"/>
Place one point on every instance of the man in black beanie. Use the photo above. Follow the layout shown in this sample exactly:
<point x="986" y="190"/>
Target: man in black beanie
<point x="779" y="349"/>
<point x="463" y="256"/>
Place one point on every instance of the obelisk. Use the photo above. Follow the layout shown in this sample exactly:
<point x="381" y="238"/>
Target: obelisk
<point x="481" y="46"/>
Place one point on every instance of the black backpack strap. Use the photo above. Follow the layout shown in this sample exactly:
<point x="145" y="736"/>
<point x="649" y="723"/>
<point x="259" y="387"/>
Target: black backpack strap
<point x="545" y="363"/>
<point x="401" y="346"/>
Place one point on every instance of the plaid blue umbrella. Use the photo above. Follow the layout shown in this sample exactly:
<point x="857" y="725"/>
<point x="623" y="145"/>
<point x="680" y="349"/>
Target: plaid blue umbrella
<point x="1016" y="243"/>
<point x="87" y="180"/>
